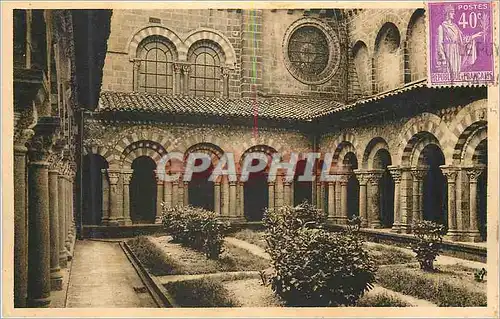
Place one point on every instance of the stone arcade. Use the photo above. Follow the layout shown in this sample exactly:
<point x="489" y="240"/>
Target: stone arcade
<point x="347" y="82"/>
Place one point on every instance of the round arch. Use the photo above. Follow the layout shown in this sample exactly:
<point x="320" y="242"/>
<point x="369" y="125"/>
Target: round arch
<point x="139" y="35"/>
<point x="369" y="155"/>
<point x="212" y="35"/>
<point x="151" y="149"/>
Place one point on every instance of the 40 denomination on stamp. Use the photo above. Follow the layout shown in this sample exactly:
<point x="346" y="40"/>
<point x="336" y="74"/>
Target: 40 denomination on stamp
<point x="460" y="48"/>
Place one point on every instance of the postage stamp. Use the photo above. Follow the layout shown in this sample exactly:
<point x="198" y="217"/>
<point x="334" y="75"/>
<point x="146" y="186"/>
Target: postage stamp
<point x="460" y="49"/>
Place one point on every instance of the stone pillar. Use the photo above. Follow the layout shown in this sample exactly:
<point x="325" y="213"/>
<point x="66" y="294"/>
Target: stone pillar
<point x="186" y="193"/>
<point x="318" y="194"/>
<point x="20" y="216"/>
<point x="451" y="174"/>
<point x="473" y="174"/>
<point x="323" y="191"/>
<point x="396" y="176"/>
<point x="114" y="214"/>
<point x="344" y="216"/>
<point x="232" y="199"/>
<point x="286" y="191"/>
<point x="105" y="197"/>
<point x="39" y="224"/>
<point x="175" y="193"/>
<point x="270" y="186"/>
<point x="217" y="197"/>
<point x="127" y="176"/>
<point x="181" y="191"/>
<point x="167" y="193"/>
<point x="55" y="270"/>
<point x="418" y="175"/>
<point x="225" y="81"/>
<point x="177" y="79"/>
<point x="159" y="199"/>
<point x="241" y="200"/>
<point x="63" y="252"/>
<point x="225" y="197"/>
<point x="185" y="69"/>
<point x="278" y="191"/>
<point x="331" y="201"/>
<point x="338" y="200"/>
<point x="374" y="198"/>
<point x="363" y="209"/>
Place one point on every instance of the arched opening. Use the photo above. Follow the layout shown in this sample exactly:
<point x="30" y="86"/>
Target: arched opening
<point x="256" y="197"/>
<point x="388" y="74"/>
<point x="143" y="191"/>
<point x="201" y="190"/>
<point x="434" y="199"/>
<point x="481" y="158"/>
<point x="351" y="163"/>
<point x="415" y="59"/>
<point x="92" y="188"/>
<point x="363" y="69"/>
<point x="302" y="190"/>
<point x="382" y="159"/>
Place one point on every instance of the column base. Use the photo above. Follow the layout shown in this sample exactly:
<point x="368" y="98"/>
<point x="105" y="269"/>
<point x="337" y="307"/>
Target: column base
<point x="56" y="279"/>
<point x="375" y="225"/>
<point x="452" y="235"/>
<point x="396" y="228"/>
<point x="474" y="236"/>
<point x="158" y="220"/>
<point x="342" y="221"/>
<point x="127" y="221"/>
<point x="63" y="259"/>
<point x="38" y="302"/>
<point x="113" y="222"/>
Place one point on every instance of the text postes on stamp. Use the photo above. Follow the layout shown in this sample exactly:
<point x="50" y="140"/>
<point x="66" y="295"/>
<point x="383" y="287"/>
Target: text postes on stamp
<point x="460" y="48"/>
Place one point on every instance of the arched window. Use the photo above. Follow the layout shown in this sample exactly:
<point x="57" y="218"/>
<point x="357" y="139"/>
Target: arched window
<point x="205" y="75"/>
<point x="154" y="72"/>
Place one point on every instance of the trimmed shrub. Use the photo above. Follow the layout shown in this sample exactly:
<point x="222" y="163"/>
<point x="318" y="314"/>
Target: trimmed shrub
<point x="197" y="228"/>
<point x="153" y="258"/>
<point x="429" y="239"/>
<point x="314" y="267"/>
<point x="204" y="292"/>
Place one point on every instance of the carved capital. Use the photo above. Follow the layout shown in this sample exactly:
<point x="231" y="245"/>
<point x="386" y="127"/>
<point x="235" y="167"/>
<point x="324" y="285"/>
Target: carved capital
<point x="418" y="174"/>
<point x="224" y="72"/>
<point x="137" y="64"/>
<point x="177" y="68"/>
<point x="473" y="173"/>
<point x="362" y="176"/>
<point x="24" y="122"/>
<point x="39" y="147"/>
<point x="374" y="176"/>
<point x="186" y="68"/>
<point x="114" y="176"/>
<point x="127" y="176"/>
<point x="450" y="172"/>
<point x="395" y="173"/>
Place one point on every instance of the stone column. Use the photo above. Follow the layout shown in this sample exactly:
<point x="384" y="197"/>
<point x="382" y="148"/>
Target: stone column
<point x="225" y="197"/>
<point x="418" y="175"/>
<point x="63" y="252"/>
<point x="181" y="190"/>
<point x="39" y="220"/>
<point x="217" y="197"/>
<point x="318" y="194"/>
<point x="374" y="198"/>
<point x="175" y="193"/>
<point x="344" y="216"/>
<point x="338" y="200"/>
<point x="186" y="193"/>
<point x="55" y="270"/>
<point x="127" y="176"/>
<point x="331" y="201"/>
<point x="105" y="197"/>
<point x="186" y="69"/>
<point x="396" y="176"/>
<point x="473" y="174"/>
<point x="278" y="191"/>
<point x="167" y="193"/>
<point x="286" y="191"/>
<point x="159" y="199"/>
<point x="225" y="82"/>
<point x="177" y="79"/>
<point x="232" y="199"/>
<point x="241" y="200"/>
<point x="363" y="210"/>
<point x="114" y="216"/>
<point x="451" y="174"/>
<point x="20" y="217"/>
<point x="270" y="186"/>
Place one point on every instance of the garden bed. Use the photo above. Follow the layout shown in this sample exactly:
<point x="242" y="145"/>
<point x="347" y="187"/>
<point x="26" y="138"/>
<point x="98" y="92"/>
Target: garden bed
<point x="451" y="286"/>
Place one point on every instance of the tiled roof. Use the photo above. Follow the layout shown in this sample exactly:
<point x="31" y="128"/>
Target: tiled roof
<point x="268" y="107"/>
